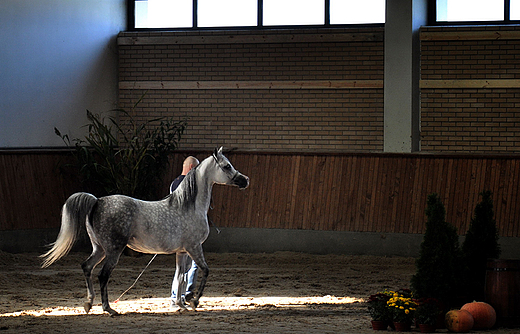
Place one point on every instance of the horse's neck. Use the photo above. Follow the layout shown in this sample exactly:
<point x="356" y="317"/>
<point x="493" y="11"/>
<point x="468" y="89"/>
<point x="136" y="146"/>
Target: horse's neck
<point x="205" y="186"/>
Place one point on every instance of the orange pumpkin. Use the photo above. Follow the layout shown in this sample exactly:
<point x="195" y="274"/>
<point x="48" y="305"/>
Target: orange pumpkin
<point x="483" y="314"/>
<point x="459" y="321"/>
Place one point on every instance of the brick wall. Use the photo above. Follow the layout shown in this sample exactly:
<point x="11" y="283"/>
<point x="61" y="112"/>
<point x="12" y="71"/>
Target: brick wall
<point x="275" y="90"/>
<point x="470" y="89"/>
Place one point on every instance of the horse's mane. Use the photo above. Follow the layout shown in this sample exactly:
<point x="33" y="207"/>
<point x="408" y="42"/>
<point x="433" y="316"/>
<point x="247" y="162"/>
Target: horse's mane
<point x="186" y="194"/>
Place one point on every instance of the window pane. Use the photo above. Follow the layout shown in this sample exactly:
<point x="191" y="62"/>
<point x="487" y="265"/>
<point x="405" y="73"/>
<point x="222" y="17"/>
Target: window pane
<point x="357" y="12"/>
<point x="515" y="9"/>
<point x="470" y="10"/>
<point x="164" y="14"/>
<point x="227" y="13"/>
<point x="293" y="12"/>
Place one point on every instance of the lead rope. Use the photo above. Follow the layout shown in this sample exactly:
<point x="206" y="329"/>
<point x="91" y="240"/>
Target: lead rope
<point x="211" y="221"/>
<point x="136" y="279"/>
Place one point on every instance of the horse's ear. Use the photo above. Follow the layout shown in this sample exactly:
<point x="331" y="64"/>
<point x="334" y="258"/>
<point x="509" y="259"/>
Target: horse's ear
<point x="217" y="152"/>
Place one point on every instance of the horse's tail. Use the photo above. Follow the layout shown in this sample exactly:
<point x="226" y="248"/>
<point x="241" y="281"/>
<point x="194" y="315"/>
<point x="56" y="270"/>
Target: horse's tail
<point x="73" y="216"/>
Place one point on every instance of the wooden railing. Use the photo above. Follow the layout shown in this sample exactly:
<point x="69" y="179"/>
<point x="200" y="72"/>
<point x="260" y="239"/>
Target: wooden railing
<point x="383" y="193"/>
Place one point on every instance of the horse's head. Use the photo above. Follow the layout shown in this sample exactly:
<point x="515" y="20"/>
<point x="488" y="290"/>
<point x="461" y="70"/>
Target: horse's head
<point x="226" y="173"/>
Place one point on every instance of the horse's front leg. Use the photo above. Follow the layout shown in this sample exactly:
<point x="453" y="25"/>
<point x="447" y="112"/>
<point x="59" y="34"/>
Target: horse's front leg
<point x="198" y="256"/>
<point x="179" y="281"/>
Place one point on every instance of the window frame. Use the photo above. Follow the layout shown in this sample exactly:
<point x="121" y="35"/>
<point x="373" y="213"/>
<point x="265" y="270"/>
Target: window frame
<point x="259" y="24"/>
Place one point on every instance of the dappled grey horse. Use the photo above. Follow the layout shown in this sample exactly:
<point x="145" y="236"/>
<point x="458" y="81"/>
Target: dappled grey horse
<point x="177" y="224"/>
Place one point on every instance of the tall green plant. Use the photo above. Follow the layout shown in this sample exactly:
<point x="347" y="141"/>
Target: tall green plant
<point x="480" y="244"/>
<point x="439" y="266"/>
<point x="128" y="160"/>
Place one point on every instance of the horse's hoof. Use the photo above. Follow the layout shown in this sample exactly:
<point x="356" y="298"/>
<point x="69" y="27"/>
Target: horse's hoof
<point x="194" y="304"/>
<point x="87" y="306"/>
<point x="113" y="313"/>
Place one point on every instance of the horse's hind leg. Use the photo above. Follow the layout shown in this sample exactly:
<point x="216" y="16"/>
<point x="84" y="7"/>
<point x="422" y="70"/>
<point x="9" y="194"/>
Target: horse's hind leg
<point x="93" y="260"/>
<point x="198" y="256"/>
<point x="104" y="275"/>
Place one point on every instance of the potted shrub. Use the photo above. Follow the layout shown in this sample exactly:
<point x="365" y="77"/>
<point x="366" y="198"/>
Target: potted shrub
<point x="403" y="309"/>
<point x="128" y="160"/>
<point x="427" y="314"/>
<point x="379" y="311"/>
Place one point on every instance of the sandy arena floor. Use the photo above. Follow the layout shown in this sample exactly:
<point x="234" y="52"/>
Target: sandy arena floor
<point x="246" y="293"/>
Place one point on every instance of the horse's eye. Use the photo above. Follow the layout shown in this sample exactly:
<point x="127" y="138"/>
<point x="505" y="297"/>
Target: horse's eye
<point x="227" y="167"/>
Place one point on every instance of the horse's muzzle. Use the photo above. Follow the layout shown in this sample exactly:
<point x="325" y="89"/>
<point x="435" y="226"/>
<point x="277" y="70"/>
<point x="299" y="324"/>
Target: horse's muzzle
<point x="241" y="181"/>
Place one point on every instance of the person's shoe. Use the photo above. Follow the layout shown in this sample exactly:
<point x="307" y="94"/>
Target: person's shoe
<point x="189" y="296"/>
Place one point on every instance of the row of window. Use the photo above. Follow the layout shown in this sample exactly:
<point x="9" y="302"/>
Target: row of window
<point x="245" y="13"/>
<point x="180" y="14"/>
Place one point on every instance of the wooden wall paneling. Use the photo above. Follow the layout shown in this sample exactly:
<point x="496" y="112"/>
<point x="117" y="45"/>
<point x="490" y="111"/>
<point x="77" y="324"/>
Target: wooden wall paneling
<point x="359" y="220"/>
<point x="383" y="194"/>
<point x="337" y="192"/>
<point x="507" y="208"/>
<point x="398" y="198"/>
<point x="386" y="194"/>
<point x="339" y="205"/>
<point x="344" y="209"/>
<point x="417" y="211"/>
<point x="322" y="193"/>
<point x="466" y="196"/>
<point x="310" y="195"/>
<point x="258" y="187"/>
<point x="328" y="188"/>
<point x="7" y="196"/>
<point x="389" y="194"/>
<point x="458" y="195"/>
<point x="408" y="224"/>
<point x="295" y="173"/>
<point x="452" y="181"/>
<point x="304" y="192"/>
<point x="499" y="205"/>
<point x="275" y="193"/>
<point x="404" y="208"/>
<point x="509" y="219"/>
<point x="282" y="192"/>
<point x="371" y="193"/>
<point x="494" y="184"/>
<point x="392" y="195"/>
<point x="507" y="189"/>
<point x="252" y="172"/>
<point x="356" y="190"/>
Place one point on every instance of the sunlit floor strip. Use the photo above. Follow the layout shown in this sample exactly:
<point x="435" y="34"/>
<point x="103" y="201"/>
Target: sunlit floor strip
<point x="162" y="305"/>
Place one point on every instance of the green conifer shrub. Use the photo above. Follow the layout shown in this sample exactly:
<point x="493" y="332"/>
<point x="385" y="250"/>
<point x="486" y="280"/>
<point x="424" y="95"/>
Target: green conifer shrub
<point x="439" y="266"/>
<point x="481" y="243"/>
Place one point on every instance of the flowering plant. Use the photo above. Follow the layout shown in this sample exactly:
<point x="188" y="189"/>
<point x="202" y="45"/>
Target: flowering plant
<point x="428" y="310"/>
<point x="402" y="306"/>
<point x="378" y="308"/>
